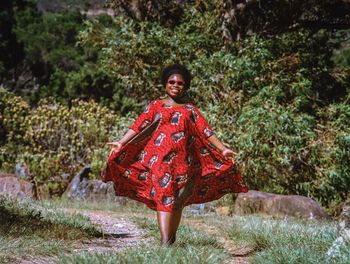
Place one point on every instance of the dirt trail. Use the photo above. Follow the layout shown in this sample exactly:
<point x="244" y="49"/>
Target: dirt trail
<point x="119" y="233"/>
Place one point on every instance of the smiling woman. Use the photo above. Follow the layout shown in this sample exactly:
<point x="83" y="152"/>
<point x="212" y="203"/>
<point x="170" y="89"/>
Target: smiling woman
<point x="175" y="86"/>
<point x="170" y="157"/>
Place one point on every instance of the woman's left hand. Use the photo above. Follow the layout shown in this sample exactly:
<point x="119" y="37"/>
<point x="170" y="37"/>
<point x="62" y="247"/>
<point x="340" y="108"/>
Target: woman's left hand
<point x="228" y="153"/>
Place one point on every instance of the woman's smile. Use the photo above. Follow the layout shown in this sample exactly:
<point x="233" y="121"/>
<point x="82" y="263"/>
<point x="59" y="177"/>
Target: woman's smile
<point x="175" y="85"/>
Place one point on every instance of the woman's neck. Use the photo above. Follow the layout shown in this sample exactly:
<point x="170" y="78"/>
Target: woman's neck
<point x="176" y="101"/>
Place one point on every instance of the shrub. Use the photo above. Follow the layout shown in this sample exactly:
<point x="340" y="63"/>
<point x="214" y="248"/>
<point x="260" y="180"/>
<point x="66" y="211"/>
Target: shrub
<point x="57" y="141"/>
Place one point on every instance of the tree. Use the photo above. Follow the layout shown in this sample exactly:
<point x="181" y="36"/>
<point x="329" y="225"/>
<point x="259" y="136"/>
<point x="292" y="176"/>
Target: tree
<point x="244" y="17"/>
<point x="11" y="51"/>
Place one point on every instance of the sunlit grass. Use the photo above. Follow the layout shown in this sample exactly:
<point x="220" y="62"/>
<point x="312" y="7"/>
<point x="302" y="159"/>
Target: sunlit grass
<point x="29" y="229"/>
<point x="106" y="205"/>
<point x="152" y="255"/>
<point x="31" y="246"/>
<point x="284" y="241"/>
<point x="185" y="234"/>
<point x="25" y="216"/>
<point x="192" y="246"/>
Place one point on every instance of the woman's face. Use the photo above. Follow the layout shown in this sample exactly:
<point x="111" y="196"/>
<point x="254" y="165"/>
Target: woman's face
<point x="175" y="86"/>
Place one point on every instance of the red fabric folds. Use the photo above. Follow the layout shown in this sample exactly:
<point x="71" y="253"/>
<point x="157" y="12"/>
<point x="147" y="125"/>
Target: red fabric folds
<point x="175" y="165"/>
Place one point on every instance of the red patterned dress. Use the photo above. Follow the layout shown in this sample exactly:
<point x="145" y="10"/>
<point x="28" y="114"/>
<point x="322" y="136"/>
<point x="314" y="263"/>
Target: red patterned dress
<point x="175" y="165"/>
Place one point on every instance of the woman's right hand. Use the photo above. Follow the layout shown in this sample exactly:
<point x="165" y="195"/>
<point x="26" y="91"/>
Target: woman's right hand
<point x="116" y="147"/>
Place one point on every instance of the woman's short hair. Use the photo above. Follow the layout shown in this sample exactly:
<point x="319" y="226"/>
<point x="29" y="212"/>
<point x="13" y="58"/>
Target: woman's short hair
<point x="176" y="69"/>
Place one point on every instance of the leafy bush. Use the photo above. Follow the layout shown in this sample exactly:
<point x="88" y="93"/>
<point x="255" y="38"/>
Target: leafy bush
<point x="57" y="141"/>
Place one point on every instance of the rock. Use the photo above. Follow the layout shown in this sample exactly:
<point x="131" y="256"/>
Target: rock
<point x="200" y="208"/>
<point x="82" y="188"/>
<point x="73" y="190"/>
<point x="250" y="202"/>
<point x="12" y="186"/>
<point x="3" y="175"/>
<point x="278" y="205"/>
<point x="223" y="210"/>
<point x="22" y="170"/>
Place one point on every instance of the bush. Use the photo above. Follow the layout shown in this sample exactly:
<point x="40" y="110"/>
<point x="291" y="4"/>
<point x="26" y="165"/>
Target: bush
<point x="57" y="141"/>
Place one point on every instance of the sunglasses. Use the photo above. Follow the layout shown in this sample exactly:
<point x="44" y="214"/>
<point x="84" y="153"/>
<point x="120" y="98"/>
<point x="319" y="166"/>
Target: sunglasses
<point x="179" y="83"/>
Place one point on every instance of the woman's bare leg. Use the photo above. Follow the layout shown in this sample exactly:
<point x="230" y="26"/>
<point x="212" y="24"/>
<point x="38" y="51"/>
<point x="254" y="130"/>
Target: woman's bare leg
<point x="168" y="223"/>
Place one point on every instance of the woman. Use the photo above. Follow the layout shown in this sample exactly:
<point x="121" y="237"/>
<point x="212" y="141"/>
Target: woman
<point x="170" y="157"/>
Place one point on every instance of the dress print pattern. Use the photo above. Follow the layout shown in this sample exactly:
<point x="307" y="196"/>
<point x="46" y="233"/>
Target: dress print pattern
<point x="175" y="165"/>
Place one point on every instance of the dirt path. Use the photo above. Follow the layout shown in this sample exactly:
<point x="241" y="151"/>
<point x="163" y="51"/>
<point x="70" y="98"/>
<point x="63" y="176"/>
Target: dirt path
<point x="119" y="233"/>
<point x="116" y="226"/>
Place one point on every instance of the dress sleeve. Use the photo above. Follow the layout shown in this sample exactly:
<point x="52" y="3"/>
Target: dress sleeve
<point x="201" y="125"/>
<point x="145" y="118"/>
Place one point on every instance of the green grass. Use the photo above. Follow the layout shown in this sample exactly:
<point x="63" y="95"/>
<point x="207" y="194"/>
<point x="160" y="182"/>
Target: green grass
<point x="30" y="229"/>
<point x="192" y="246"/>
<point x="129" y="207"/>
<point x="27" y="229"/>
<point x="285" y="241"/>
<point x="21" y="217"/>
<point x="151" y="255"/>
<point x="185" y="234"/>
<point x="26" y="247"/>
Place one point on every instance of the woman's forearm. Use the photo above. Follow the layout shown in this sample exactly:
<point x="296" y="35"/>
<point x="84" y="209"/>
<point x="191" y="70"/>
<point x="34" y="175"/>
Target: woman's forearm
<point x="128" y="136"/>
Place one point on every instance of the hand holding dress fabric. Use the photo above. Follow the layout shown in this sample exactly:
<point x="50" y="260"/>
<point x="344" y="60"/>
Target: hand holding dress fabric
<point x="116" y="147"/>
<point x="228" y="153"/>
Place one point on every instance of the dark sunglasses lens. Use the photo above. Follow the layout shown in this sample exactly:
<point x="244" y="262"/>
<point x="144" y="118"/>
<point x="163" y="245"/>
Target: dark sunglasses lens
<point x="180" y="83"/>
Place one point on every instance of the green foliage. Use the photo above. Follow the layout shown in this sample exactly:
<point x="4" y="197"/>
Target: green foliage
<point x="13" y="112"/>
<point x="10" y="50"/>
<point x="263" y="96"/>
<point x="135" y="52"/>
<point x="48" y="61"/>
<point x="24" y="247"/>
<point x="56" y="141"/>
<point x="343" y="58"/>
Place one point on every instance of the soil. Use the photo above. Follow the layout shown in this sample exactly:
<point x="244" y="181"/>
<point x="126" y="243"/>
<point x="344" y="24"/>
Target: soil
<point x="119" y="232"/>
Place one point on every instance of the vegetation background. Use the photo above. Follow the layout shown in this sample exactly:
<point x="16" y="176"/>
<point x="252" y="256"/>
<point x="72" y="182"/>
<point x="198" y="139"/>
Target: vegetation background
<point x="274" y="86"/>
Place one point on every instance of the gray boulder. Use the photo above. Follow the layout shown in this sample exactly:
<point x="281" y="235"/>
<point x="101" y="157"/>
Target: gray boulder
<point x="255" y="202"/>
<point x="82" y="188"/>
<point x="12" y="186"/>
